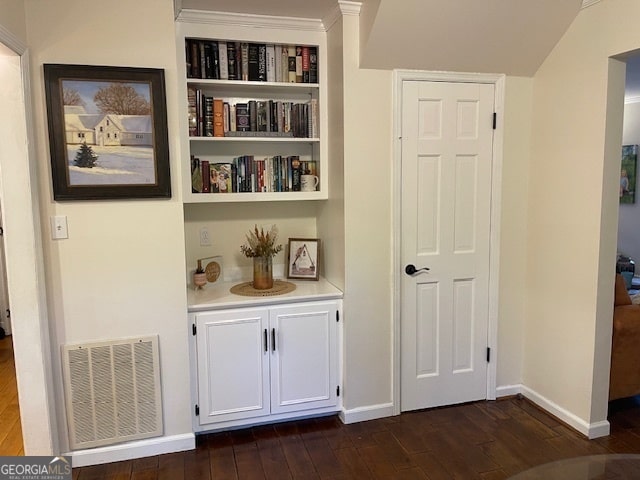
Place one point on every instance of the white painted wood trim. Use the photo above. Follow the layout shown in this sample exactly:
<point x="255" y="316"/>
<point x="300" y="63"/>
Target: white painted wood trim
<point x="588" y="3"/>
<point x="11" y="41"/>
<point x="341" y="9"/>
<point x="371" y="412"/>
<point x="131" y="450"/>
<point x="250" y="20"/>
<point x="400" y="76"/>
<point x="350" y="8"/>
<point x="590" y="430"/>
<point x="508" y="390"/>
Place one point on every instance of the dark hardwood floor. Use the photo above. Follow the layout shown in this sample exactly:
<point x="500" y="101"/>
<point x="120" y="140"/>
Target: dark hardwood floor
<point x="482" y="440"/>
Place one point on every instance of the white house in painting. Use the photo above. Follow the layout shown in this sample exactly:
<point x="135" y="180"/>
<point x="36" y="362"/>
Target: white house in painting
<point x="106" y="130"/>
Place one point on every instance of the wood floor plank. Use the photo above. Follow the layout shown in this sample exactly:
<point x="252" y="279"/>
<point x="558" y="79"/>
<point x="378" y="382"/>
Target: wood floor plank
<point x="298" y="458"/>
<point x="248" y="463"/>
<point x="322" y="456"/>
<point x="171" y="466"/>
<point x="481" y="441"/>
<point x="223" y="462"/>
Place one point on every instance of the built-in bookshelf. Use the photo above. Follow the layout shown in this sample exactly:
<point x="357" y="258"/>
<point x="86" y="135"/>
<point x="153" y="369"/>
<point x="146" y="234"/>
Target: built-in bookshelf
<point x="255" y="111"/>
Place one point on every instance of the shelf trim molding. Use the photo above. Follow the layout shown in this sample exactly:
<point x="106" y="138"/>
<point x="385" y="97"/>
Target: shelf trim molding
<point x="250" y="20"/>
<point x="342" y="8"/>
<point x="588" y="3"/>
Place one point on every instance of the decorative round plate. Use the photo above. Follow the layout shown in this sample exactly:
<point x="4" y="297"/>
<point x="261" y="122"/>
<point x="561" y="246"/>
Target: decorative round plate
<point x="279" y="287"/>
<point x="213" y="271"/>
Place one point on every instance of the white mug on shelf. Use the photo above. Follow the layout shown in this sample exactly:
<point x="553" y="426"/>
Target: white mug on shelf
<point x="309" y="183"/>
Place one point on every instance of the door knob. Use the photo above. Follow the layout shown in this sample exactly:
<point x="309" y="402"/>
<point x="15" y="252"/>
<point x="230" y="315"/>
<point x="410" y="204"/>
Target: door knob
<point x="411" y="269"/>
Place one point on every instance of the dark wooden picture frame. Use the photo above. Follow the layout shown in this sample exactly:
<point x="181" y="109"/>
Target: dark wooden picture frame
<point x="303" y="261"/>
<point x="107" y="132"/>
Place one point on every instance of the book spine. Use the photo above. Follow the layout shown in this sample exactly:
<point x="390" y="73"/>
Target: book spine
<point x="253" y="62"/>
<point x="253" y="116"/>
<point x="262" y="63"/>
<point x="208" y="61"/>
<point x="242" y="117"/>
<point x="195" y="59"/>
<point x="226" y="121"/>
<point x="271" y="63"/>
<point x="187" y="57"/>
<point x="313" y="64"/>
<point x="277" y="49"/>
<point x="215" y="67"/>
<point x="192" y="111"/>
<point x="314" y="118"/>
<point x="285" y="64"/>
<point x="244" y="55"/>
<point x="196" y="175"/>
<point x="233" y="124"/>
<point x="231" y="60"/>
<point x="223" y="61"/>
<point x="305" y="64"/>
<point x="203" y="60"/>
<point x="298" y="64"/>
<point x="206" y="179"/>
<point x="199" y="113"/>
<point x="208" y="116"/>
<point x="291" y="62"/>
<point x="218" y="121"/>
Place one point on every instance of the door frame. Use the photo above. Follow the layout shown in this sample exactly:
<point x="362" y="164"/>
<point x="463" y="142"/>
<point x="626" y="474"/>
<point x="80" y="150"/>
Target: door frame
<point x="26" y="279"/>
<point x="399" y="77"/>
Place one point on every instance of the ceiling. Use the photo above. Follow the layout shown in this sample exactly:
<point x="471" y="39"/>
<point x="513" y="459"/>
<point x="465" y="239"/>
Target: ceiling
<point x="490" y="36"/>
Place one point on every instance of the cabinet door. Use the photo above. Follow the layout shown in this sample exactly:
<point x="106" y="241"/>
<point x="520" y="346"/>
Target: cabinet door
<point x="233" y="365"/>
<point x="304" y="367"/>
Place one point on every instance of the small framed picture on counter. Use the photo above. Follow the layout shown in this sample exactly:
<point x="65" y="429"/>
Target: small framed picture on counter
<point x="303" y="261"/>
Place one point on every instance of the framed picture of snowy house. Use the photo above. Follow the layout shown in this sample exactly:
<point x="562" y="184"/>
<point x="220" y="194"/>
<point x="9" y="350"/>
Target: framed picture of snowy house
<point x="107" y="132"/>
<point x="303" y="258"/>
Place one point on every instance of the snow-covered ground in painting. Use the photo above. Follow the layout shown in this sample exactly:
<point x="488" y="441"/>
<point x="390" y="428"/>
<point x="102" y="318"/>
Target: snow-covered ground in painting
<point x="115" y="166"/>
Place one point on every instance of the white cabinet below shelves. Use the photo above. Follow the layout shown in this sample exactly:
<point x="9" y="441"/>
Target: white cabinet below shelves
<point x="266" y="363"/>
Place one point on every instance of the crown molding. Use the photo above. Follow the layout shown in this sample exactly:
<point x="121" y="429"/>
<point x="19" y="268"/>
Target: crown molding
<point x="249" y="20"/>
<point x="588" y="3"/>
<point x="11" y="41"/>
<point x="349" y="8"/>
<point x="343" y="7"/>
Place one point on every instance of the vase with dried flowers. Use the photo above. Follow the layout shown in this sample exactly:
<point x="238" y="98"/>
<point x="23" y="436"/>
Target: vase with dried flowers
<point x="261" y="246"/>
<point x="199" y="277"/>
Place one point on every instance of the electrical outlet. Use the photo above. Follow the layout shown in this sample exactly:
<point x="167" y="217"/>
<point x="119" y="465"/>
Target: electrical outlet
<point x="59" y="227"/>
<point x="205" y="237"/>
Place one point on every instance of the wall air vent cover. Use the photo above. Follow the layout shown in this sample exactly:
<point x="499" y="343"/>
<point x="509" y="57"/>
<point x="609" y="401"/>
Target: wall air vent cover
<point x="112" y="391"/>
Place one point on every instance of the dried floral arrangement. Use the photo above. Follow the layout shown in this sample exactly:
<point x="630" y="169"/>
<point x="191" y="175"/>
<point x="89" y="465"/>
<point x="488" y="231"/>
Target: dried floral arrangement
<point x="261" y="244"/>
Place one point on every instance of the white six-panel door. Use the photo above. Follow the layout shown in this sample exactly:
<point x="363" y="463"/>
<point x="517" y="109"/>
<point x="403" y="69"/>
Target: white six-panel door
<point x="447" y="135"/>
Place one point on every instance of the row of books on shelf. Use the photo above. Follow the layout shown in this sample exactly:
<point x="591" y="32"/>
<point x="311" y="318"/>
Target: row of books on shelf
<point x="259" y="62"/>
<point x="247" y="174"/>
<point x="217" y="117"/>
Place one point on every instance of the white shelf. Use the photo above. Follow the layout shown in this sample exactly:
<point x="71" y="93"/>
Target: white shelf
<point x="255" y="139"/>
<point x="225" y="149"/>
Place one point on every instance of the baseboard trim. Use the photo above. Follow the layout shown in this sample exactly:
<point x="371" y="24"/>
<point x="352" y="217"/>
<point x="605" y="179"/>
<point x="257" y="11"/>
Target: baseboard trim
<point x="362" y="414"/>
<point x="590" y="430"/>
<point x="508" y="390"/>
<point x="131" y="450"/>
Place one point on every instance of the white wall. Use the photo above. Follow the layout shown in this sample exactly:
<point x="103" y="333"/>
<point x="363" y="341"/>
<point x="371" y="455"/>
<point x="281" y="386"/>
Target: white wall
<point x="629" y="216"/>
<point x="229" y="224"/>
<point x="367" y="204"/>
<point x="577" y="131"/>
<point x="121" y="272"/>
<point x="513" y="241"/>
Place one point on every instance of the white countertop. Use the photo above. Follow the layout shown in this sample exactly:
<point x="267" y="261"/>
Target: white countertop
<point x="216" y="296"/>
